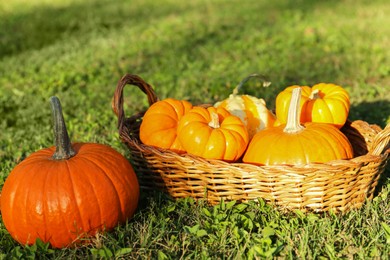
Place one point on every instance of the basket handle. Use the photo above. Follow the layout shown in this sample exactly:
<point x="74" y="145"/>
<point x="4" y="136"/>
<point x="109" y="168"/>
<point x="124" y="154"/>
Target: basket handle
<point x="381" y="142"/>
<point x="117" y="102"/>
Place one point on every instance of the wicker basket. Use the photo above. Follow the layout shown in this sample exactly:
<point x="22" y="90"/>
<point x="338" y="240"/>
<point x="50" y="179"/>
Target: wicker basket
<point x="339" y="185"/>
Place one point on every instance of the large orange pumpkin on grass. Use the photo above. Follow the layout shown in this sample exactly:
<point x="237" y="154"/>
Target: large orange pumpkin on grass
<point x="322" y="103"/>
<point x="297" y="144"/>
<point x="68" y="193"/>
<point x="159" y="124"/>
<point x="213" y="133"/>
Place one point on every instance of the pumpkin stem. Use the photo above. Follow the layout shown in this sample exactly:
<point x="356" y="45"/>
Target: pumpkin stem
<point x="266" y="83"/>
<point x="315" y="94"/>
<point x="214" y="123"/>
<point x="64" y="149"/>
<point x="293" y="118"/>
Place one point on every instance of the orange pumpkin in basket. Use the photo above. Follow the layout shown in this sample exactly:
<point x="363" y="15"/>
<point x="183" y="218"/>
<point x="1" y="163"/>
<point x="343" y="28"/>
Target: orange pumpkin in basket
<point x="67" y="193"/>
<point x="213" y="133"/>
<point x="322" y="103"/>
<point x="295" y="144"/>
<point x="159" y="124"/>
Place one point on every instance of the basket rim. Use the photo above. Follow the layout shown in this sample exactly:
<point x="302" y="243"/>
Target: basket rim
<point x="354" y="162"/>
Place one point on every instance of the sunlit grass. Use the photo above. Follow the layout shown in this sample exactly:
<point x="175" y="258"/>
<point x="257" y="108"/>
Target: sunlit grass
<point x="195" y="50"/>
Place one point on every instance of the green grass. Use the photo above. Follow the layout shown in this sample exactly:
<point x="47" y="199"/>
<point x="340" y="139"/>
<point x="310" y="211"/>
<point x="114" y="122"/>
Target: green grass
<point x="196" y="50"/>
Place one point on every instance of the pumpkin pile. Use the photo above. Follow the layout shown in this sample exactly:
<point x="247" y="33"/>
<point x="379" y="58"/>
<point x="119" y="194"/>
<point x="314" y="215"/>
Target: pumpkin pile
<point x="304" y="129"/>
<point x="296" y="143"/>
<point x="67" y="193"/>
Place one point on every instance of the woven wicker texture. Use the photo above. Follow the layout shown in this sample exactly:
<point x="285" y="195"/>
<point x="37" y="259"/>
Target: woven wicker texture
<point x="339" y="185"/>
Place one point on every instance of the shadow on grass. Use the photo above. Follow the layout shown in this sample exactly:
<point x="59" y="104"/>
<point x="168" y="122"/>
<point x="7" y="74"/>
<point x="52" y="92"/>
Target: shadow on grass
<point x="384" y="179"/>
<point x="376" y="112"/>
<point x="44" y="25"/>
<point x="38" y="27"/>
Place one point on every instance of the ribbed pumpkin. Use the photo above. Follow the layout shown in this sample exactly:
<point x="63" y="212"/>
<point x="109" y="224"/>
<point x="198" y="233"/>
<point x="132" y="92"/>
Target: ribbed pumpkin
<point x="69" y="192"/>
<point x="213" y="133"/>
<point x="297" y="144"/>
<point x="159" y="124"/>
<point x="252" y="111"/>
<point x="323" y="103"/>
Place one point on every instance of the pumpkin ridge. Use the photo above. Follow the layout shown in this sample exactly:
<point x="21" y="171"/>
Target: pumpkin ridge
<point x="74" y="195"/>
<point x="343" y="139"/>
<point x="240" y="139"/>
<point x="313" y="148"/>
<point x="301" y="146"/>
<point x="306" y="92"/>
<point x="341" y="102"/>
<point x="13" y="227"/>
<point x="232" y="127"/>
<point x="281" y="139"/>
<point x="222" y="148"/>
<point x="177" y="111"/>
<point x="239" y="152"/>
<point x="165" y="115"/>
<point x="63" y="220"/>
<point x="160" y="108"/>
<point x="325" y="140"/>
<point x="327" y="88"/>
<point x="26" y="201"/>
<point x="275" y="137"/>
<point x="53" y="239"/>
<point x="86" y="175"/>
<point x="250" y="156"/>
<point x="229" y="135"/>
<point x="168" y="135"/>
<point x="44" y="204"/>
<point x="336" y="139"/>
<point x="209" y="130"/>
<point x="107" y="176"/>
<point x="321" y="105"/>
<point x="336" y="96"/>
<point x="268" y="155"/>
<point x="339" y="137"/>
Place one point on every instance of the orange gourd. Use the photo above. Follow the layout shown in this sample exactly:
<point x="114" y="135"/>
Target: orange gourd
<point x="323" y="103"/>
<point x="252" y="111"/>
<point x="213" y="133"/>
<point x="159" y="124"/>
<point x="297" y="144"/>
<point x="67" y="193"/>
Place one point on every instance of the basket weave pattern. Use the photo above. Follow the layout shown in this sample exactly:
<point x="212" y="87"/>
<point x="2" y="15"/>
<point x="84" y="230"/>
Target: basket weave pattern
<point x="339" y="185"/>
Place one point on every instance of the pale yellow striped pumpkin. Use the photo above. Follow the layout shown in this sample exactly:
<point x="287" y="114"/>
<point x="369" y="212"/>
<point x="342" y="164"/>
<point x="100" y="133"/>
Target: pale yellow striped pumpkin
<point x="252" y="111"/>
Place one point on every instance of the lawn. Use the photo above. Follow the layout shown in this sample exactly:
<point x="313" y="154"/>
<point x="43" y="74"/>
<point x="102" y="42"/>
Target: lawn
<point x="199" y="51"/>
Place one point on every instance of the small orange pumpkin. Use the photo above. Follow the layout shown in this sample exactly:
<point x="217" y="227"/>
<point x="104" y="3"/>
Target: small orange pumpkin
<point x="252" y="111"/>
<point x="69" y="192"/>
<point x="159" y="124"/>
<point x="323" y="103"/>
<point x="213" y="133"/>
<point x="297" y="144"/>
